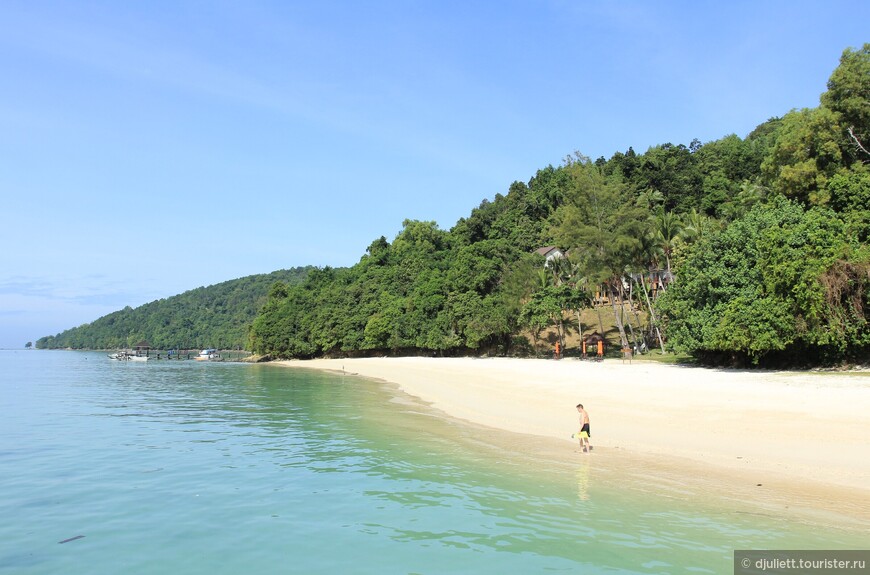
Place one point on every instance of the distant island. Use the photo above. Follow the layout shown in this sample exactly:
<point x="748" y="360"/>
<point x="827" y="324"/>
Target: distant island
<point x="740" y="251"/>
<point x="218" y="315"/>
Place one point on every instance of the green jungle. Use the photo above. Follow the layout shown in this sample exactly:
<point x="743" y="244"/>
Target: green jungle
<point x="740" y="251"/>
<point x="218" y="315"/>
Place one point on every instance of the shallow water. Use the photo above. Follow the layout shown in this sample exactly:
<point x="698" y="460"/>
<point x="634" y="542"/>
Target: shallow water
<point x="187" y="467"/>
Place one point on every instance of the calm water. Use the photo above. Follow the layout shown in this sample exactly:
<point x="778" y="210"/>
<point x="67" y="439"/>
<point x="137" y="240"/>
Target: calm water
<point x="184" y="467"/>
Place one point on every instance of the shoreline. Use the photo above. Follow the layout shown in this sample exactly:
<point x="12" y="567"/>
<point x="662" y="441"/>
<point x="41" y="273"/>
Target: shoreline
<point x="802" y="436"/>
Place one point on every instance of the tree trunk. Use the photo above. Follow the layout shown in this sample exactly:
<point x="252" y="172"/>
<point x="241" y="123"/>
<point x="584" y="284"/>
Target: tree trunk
<point x="652" y="315"/>
<point x="617" y="316"/>
<point x="560" y="328"/>
<point x="600" y="321"/>
<point x="630" y="327"/>
<point x="636" y="319"/>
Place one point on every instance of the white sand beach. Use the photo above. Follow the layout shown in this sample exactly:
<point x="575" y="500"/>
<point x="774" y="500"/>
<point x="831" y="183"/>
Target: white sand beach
<point x="796" y="428"/>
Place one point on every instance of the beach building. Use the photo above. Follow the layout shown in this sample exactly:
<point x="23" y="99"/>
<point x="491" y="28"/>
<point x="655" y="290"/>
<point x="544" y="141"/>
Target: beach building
<point x="593" y="346"/>
<point x="142" y="349"/>
<point x="550" y="253"/>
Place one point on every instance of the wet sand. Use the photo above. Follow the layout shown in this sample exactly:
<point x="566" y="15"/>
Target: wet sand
<point x="791" y="439"/>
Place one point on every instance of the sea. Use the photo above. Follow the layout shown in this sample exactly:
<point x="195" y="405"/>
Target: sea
<point x="186" y="467"/>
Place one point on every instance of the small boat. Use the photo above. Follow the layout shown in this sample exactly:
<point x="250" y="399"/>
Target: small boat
<point x="127" y="356"/>
<point x="208" y="355"/>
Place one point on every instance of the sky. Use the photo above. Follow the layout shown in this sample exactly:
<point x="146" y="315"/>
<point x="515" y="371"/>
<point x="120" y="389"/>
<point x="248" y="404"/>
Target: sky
<point x="149" y="148"/>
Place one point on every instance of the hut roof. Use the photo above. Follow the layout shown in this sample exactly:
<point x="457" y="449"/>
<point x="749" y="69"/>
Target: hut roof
<point x="545" y="250"/>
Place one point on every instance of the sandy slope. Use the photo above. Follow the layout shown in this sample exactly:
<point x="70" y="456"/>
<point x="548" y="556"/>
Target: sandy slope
<point x="797" y="426"/>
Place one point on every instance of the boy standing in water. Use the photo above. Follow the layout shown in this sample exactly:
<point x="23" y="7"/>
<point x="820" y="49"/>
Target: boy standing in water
<point x="584" y="434"/>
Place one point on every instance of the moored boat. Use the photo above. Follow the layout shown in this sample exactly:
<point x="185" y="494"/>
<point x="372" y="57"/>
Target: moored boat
<point x="127" y="356"/>
<point x="208" y="355"/>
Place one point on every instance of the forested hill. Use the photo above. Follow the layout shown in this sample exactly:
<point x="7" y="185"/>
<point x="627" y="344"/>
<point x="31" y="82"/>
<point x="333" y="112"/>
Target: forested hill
<point x="741" y="250"/>
<point x="214" y="316"/>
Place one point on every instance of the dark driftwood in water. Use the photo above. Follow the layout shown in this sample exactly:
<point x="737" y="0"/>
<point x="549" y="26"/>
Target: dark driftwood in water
<point x="71" y="539"/>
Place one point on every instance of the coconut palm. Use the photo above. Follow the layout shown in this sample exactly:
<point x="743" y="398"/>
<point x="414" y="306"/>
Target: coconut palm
<point x="666" y="229"/>
<point x="696" y="225"/>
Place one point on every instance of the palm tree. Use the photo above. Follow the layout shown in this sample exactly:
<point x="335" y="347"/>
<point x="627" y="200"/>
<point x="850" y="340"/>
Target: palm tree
<point x="639" y="268"/>
<point x="696" y="225"/>
<point x="667" y="227"/>
<point x="650" y="199"/>
<point x="549" y="298"/>
<point x="568" y="273"/>
<point x="750" y="194"/>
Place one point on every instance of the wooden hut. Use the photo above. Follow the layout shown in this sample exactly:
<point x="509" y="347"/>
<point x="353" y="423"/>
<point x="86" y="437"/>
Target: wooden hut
<point x="593" y="344"/>
<point x="143" y="348"/>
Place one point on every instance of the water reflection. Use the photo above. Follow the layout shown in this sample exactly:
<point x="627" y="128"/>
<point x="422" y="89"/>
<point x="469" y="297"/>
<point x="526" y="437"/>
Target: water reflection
<point x="583" y="481"/>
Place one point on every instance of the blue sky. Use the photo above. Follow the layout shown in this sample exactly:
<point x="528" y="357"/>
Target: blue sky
<point x="148" y="148"/>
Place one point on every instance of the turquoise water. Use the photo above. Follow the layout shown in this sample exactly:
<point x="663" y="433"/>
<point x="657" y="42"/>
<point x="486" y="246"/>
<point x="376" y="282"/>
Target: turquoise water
<point x="216" y="468"/>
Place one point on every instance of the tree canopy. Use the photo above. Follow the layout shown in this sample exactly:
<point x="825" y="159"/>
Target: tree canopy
<point x="748" y="250"/>
<point x="214" y="316"/>
<point x="781" y="285"/>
